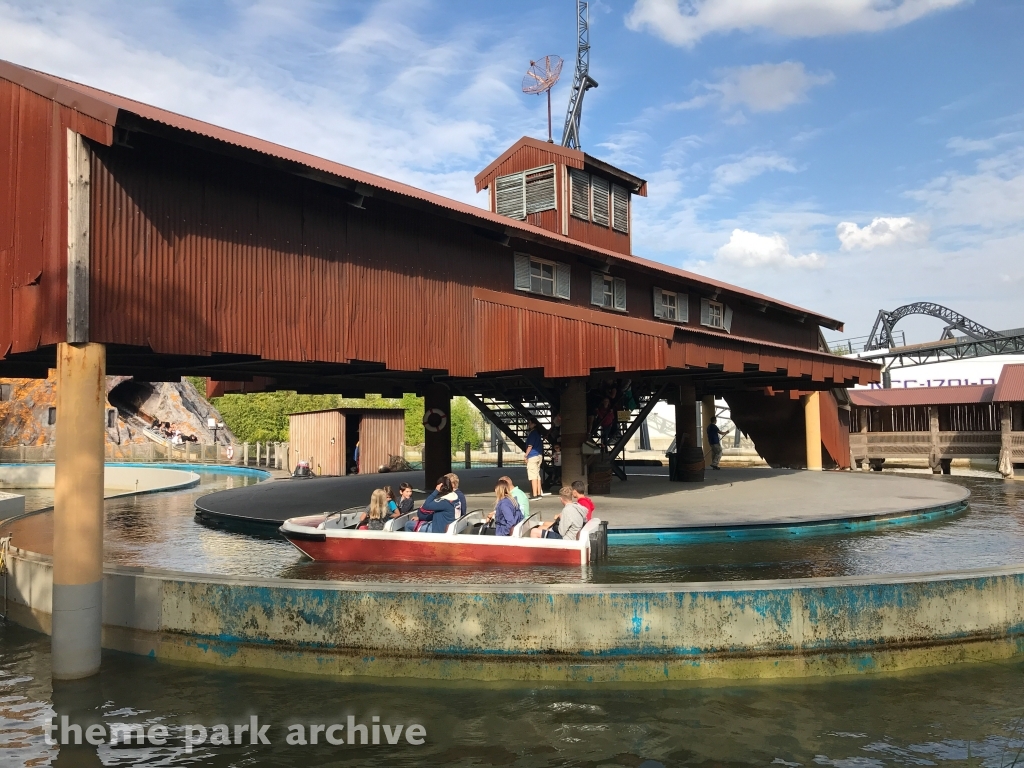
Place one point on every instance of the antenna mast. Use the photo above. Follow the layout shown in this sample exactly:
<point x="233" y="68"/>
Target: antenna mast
<point x="581" y="81"/>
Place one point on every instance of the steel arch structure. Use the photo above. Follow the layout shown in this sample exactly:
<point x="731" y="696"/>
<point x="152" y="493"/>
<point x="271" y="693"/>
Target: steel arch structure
<point x="881" y="332"/>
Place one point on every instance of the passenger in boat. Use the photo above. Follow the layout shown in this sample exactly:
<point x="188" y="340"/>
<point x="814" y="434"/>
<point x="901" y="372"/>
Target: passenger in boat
<point x="506" y="514"/>
<point x="441" y="503"/>
<point x="378" y="511"/>
<point x="392" y="501"/>
<point x="518" y="495"/>
<point x="461" y="507"/>
<point x="405" y="502"/>
<point x="567" y="524"/>
<point x="579" y="495"/>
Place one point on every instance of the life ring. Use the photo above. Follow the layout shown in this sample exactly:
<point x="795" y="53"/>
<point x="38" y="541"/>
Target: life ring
<point x="230" y="452"/>
<point x="435" y="420"/>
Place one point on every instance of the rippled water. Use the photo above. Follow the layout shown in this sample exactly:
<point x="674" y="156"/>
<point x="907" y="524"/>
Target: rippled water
<point x="964" y="715"/>
<point x="158" y="530"/>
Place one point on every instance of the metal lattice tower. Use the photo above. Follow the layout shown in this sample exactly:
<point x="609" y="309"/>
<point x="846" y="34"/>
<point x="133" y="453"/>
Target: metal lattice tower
<point x="581" y="81"/>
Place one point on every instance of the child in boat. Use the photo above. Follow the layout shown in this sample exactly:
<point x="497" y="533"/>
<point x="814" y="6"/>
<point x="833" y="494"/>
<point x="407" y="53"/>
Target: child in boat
<point x="567" y="524"/>
<point x="506" y="514"/>
<point x="461" y="505"/>
<point x="377" y="512"/>
<point x="579" y="495"/>
<point x="404" y="500"/>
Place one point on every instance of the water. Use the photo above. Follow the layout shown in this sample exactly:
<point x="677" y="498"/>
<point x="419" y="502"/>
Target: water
<point x="962" y="715"/>
<point x="158" y="530"/>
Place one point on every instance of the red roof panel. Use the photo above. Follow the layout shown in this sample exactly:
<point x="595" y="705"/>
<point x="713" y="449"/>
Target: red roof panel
<point x="973" y="394"/>
<point x="1010" y="388"/>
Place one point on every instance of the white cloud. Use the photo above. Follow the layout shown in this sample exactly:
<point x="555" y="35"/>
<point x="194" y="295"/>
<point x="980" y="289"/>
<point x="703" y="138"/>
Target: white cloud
<point x="962" y="146"/>
<point x="990" y="199"/>
<point x="747" y="168"/>
<point x="882" y="231"/>
<point x="685" y="22"/>
<point x="759" y="88"/>
<point x="768" y="87"/>
<point x="749" y="249"/>
<point x="333" y="88"/>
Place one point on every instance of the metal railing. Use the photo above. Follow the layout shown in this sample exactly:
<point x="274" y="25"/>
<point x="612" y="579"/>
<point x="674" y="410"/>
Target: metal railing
<point x="270" y="455"/>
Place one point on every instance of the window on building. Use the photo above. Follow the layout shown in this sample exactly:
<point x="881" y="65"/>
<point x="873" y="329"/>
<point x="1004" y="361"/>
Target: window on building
<point x="5" y="393"/>
<point x="671" y="306"/>
<point x="510" y="195"/>
<point x="540" y="189"/>
<point x="715" y="314"/>
<point x="51" y="415"/>
<point x="620" y="209"/>
<point x="608" y="292"/>
<point x="111" y="418"/>
<point x="579" y="194"/>
<point x="519" y="194"/>
<point x="547" y="278"/>
<point x="599" y="191"/>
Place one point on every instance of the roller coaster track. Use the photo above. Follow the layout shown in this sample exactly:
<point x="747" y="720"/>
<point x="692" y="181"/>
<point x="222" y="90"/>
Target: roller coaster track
<point x="881" y="336"/>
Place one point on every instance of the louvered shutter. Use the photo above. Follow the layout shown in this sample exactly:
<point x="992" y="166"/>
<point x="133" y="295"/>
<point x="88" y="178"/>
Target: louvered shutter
<point x="562" y="275"/>
<point x="705" y="312"/>
<point x="620" y="209"/>
<point x="727" y="319"/>
<point x="599" y="195"/>
<point x="510" y="197"/>
<point x="659" y="305"/>
<point x="682" y="308"/>
<point x="597" y="288"/>
<point x="619" y="286"/>
<point x="540" y="189"/>
<point x="579" y="188"/>
<point x="522" y="272"/>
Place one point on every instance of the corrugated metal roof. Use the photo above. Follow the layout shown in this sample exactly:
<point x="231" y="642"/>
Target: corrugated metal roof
<point x="972" y="394"/>
<point x="106" y="107"/>
<point x="1010" y="388"/>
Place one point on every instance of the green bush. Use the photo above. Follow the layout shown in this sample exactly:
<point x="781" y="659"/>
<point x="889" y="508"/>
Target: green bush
<point x="263" y="416"/>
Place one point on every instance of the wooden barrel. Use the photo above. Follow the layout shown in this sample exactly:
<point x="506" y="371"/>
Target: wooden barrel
<point x="690" y="465"/>
<point x="599" y="479"/>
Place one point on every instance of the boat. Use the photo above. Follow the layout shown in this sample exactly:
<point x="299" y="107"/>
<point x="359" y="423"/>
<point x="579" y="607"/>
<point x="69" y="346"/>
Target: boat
<point x="335" y="537"/>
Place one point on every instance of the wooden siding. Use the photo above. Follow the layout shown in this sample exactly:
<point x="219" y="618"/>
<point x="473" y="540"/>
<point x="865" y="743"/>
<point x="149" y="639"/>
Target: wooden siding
<point x="310" y="434"/>
<point x="381" y="436"/>
<point x="835" y="429"/>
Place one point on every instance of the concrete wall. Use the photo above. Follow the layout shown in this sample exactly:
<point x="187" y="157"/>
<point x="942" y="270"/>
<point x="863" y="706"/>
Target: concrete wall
<point x="551" y="632"/>
<point x="117" y="480"/>
<point x="11" y="504"/>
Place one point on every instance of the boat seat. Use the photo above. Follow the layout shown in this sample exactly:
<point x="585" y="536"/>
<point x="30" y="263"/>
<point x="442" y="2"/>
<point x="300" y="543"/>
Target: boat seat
<point x="464" y="522"/>
<point x="522" y="529"/>
<point x="593" y="525"/>
<point x="348" y="518"/>
<point x="397" y="524"/>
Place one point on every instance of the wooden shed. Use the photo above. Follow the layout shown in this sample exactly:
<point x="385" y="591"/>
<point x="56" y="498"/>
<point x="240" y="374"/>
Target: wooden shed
<point x="327" y="439"/>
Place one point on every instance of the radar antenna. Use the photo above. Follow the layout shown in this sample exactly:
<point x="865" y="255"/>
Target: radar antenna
<point x="540" y="78"/>
<point x="581" y="81"/>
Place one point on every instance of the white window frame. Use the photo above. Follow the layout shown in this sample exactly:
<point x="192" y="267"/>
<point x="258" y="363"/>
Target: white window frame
<point x="561" y="276"/>
<point x="680" y="306"/>
<point x="716" y="314"/>
<point x="608" y="292"/>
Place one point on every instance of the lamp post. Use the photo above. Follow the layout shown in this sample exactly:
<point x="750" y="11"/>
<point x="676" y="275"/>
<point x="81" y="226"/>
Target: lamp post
<point x="214" y="425"/>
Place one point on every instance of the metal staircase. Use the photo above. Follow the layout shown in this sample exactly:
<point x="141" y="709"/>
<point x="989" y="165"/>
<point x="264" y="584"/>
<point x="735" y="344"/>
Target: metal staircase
<point x="510" y="413"/>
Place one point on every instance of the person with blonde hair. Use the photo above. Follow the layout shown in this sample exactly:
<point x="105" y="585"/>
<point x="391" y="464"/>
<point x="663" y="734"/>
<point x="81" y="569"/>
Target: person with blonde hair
<point x="506" y="514"/>
<point x="517" y="494"/>
<point x="377" y="512"/>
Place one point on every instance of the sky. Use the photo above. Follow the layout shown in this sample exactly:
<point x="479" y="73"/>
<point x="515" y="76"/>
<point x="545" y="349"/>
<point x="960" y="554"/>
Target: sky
<point x="843" y="155"/>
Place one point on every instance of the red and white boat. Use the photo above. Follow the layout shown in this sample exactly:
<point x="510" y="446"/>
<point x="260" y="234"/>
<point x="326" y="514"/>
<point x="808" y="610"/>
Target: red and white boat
<point x="335" y="538"/>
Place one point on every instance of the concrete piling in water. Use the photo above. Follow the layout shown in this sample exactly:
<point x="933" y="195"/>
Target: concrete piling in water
<point x="78" y="511"/>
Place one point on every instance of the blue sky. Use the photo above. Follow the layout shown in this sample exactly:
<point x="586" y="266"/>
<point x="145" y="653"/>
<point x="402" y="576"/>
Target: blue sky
<point x="845" y="155"/>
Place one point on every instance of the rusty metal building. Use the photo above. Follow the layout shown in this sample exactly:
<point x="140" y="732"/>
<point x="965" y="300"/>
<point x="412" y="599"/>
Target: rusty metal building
<point x="217" y="254"/>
